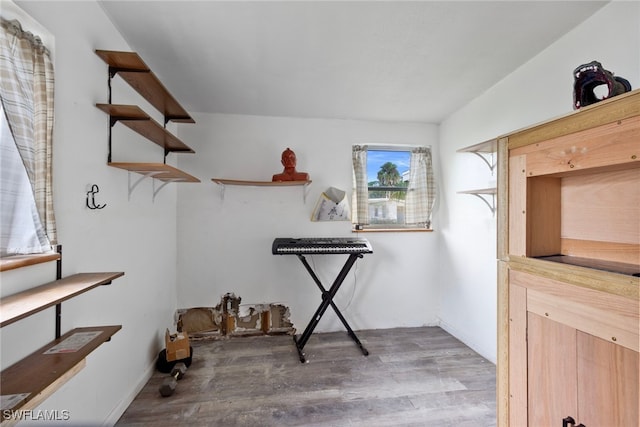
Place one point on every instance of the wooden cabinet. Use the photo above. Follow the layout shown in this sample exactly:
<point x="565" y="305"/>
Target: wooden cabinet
<point x="576" y="355"/>
<point x="569" y="261"/>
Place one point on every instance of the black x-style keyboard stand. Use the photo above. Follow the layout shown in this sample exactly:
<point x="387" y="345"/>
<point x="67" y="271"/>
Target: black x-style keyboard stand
<point x="327" y="300"/>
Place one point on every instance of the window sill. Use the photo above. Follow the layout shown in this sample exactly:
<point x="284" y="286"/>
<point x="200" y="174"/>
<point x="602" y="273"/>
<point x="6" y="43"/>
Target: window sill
<point x="387" y="230"/>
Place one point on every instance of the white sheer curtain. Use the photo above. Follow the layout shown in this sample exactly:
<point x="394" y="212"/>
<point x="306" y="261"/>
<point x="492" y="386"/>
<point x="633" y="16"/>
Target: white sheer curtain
<point x="360" y="202"/>
<point x="21" y="231"/>
<point x="421" y="193"/>
<point x="26" y="92"/>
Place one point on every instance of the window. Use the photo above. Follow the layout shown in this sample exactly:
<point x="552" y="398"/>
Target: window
<point x="393" y="187"/>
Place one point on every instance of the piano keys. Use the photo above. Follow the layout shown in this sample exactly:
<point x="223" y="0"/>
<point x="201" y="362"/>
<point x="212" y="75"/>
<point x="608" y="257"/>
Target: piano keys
<point x="321" y="245"/>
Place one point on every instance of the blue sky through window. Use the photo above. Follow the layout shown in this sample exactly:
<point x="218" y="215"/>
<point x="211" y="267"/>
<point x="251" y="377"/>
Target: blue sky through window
<point x="376" y="158"/>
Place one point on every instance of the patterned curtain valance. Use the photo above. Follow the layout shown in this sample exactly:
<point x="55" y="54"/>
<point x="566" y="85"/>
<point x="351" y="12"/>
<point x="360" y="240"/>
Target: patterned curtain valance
<point x="14" y="28"/>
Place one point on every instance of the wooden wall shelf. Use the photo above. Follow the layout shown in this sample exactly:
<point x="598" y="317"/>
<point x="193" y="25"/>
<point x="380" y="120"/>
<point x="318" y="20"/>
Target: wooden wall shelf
<point x="136" y="73"/>
<point x="19" y="261"/>
<point x="28" y="382"/>
<point x="23" y="304"/>
<point x="137" y="120"/>
<point x="490" y="201"/>
<point x="485" y="150"/>
<point x="160" y="171"/>
<point x="157" y="171"/>
<point x="224" y="182"/>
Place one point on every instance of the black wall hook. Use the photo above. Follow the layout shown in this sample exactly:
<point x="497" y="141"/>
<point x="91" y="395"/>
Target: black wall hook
<point x="91" y="204"/>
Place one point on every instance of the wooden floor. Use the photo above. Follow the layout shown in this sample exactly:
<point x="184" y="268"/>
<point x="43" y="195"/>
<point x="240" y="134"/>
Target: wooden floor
<point x="412" y="377"/>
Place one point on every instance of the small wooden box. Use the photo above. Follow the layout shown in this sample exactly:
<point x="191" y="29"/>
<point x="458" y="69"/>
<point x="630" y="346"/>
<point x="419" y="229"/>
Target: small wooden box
<point x="177" y="346"/>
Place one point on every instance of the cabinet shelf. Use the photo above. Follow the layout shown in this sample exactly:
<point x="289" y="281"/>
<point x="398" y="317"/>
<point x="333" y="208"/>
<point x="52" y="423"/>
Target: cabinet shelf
<point x="23" y="304"/>
<point x="596" y="264"/>
<point x="224" y="182"/>
<point x="140" y="122"/>
<point x="30" y="381"/>
<point x="137" y="74"/>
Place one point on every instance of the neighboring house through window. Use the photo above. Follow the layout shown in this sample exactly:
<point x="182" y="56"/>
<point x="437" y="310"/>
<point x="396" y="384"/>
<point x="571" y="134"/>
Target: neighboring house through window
<point x="394" y="187"/>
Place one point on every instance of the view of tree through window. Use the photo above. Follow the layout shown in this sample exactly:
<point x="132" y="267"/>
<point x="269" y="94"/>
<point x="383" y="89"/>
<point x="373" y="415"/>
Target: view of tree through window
<point x="388" y="179"/>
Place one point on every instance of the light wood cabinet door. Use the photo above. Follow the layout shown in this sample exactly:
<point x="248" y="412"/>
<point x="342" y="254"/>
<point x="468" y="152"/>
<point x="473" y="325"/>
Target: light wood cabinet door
<point x="572" y="373"/>
<point x="608" y="379"/>
<point x="551" y="371"/>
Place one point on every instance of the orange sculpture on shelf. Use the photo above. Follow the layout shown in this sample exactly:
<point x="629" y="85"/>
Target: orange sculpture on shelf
<point x="290" y="173"/>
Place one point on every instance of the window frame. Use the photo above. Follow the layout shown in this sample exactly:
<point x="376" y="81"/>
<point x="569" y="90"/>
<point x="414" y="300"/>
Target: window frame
<point x="419" y="227"/>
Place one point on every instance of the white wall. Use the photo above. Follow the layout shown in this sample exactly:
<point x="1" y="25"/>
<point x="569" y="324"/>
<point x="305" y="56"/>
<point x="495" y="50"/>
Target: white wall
<point x="224" y="245"/>
<point x="539" y="90"/>
<point x="136" y="236"/>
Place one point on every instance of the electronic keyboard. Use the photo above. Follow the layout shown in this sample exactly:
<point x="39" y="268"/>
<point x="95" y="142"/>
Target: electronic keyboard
<point x="321" y="245"/>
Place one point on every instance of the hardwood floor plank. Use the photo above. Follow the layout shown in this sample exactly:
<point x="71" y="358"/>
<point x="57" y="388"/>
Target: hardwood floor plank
<point x="412" y="377"/>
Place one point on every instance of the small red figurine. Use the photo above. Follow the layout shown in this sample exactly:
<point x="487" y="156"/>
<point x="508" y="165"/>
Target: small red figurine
<point x="290" y="173"/>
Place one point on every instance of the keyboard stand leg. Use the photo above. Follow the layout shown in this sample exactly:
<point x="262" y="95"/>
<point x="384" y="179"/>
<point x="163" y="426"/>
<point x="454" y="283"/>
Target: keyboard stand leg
<point x="299" y="348"/>
<point x="327" y="299"/>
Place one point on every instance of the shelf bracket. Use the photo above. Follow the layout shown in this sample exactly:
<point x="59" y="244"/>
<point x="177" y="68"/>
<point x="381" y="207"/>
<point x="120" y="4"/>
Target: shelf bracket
<point x="59" y="305"/>
<point x="133" y="185"/>
<point x="164" y="183"/>
<point x="305" y="191"/>
<point x="222" y="189"/>
<point x="492" y="204"/>
<point x="488" y="159"/>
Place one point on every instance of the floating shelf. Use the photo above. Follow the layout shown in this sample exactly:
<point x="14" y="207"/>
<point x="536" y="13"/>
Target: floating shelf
<point x="224" y="182"/>
<point x="135" y="72"/>
<point x="137" y="120"/>
<point x="484" y="150"/>
<point x="23" y="304"/>
<point x="481" y="193"/>
<point x="157" y="171"/>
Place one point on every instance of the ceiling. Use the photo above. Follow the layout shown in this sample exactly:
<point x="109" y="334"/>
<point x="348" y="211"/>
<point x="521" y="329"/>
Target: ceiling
<point x="372" y="60"/>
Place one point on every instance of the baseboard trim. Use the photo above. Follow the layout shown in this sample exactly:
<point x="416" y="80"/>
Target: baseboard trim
<point x="124" y="403"/>
<point x="487" y="353"/>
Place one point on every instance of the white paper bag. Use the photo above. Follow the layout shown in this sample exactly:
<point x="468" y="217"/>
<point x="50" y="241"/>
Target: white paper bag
<point x="332" y="206"/>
